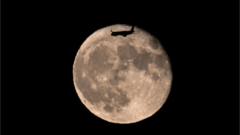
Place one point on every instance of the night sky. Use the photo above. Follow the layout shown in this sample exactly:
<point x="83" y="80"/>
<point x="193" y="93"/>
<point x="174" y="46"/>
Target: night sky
<point x="40" y="41"/>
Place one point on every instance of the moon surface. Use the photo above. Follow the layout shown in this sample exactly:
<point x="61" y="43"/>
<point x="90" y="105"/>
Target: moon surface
<point x="122" y="79"/>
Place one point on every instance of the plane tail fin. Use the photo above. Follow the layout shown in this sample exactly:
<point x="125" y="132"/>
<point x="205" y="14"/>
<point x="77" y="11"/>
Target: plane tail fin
<point x="132" y="29"/>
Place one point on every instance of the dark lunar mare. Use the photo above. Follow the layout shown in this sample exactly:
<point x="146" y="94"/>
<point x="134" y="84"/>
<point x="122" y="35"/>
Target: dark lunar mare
<point x="126" y="52"/>
<point x="143" y="59"/>
<point x="154" y="43"/>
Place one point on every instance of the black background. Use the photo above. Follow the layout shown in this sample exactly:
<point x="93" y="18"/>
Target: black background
<point x="40" y="40"/>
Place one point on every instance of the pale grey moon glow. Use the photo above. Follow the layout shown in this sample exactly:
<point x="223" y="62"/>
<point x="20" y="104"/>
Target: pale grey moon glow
<point x="122" y="79"/>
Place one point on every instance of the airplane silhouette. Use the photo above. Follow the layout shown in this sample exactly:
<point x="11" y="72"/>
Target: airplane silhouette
<point x="122" y="33"/>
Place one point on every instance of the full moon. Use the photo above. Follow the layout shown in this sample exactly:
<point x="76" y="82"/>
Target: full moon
<point x="122" y="79"/>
